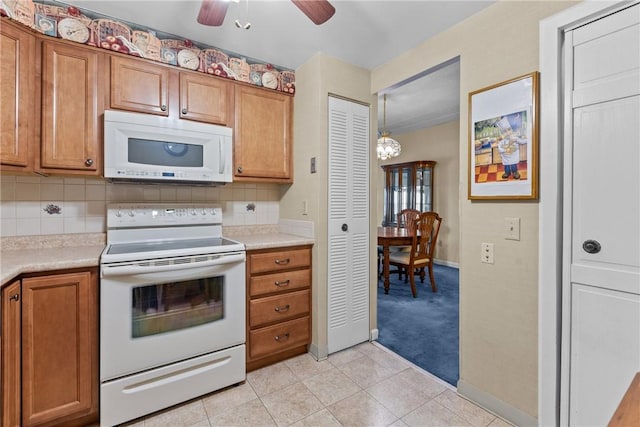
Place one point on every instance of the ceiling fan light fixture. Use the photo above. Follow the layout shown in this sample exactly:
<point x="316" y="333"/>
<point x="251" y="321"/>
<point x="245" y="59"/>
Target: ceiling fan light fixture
<point x="386" y="146"/>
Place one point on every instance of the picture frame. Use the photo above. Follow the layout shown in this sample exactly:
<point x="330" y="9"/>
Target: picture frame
<point x="503" y="140"/>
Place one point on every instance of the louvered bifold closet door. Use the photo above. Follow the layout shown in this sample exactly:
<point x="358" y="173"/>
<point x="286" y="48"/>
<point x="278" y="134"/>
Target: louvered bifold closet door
<point x="348" y="227"/>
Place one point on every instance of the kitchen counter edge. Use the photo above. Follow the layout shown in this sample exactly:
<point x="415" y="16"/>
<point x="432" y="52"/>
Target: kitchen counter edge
<point x="271" y="240"/>
<point x="13" y="263"/>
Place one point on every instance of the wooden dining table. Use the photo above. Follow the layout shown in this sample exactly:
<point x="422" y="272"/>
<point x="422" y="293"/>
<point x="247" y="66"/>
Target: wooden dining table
<point x="392" y="236"/>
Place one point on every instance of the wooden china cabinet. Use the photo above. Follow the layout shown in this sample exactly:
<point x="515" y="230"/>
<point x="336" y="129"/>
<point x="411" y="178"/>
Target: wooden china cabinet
<point x="407" y="186"/>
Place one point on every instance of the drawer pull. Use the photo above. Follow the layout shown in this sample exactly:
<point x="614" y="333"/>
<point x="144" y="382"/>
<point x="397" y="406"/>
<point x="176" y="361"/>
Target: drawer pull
<point x="281" y="284"/>
<point x="282" y="337"/>
<point x="282" y="261"/>
<point x="282" y="309"/>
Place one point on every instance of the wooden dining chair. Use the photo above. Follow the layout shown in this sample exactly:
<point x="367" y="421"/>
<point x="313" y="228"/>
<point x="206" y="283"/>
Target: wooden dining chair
<point x="425" y="235"/>
<point x="405" y="219"/>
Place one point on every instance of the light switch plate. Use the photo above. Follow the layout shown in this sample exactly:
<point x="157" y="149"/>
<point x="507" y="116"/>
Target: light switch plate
<point x="512" y="228"/>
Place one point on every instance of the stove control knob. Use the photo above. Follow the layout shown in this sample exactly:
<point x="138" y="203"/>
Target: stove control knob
<point x="118" y="213"/>
<point x="193" y="212"/>
<point x="132" y="213"/>
<point x="204" y="211"/>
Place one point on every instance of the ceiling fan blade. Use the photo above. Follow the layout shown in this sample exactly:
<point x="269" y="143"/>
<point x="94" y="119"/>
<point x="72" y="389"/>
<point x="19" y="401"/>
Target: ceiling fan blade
<point x="319" y="11"/>
<point x="212" y="12"/>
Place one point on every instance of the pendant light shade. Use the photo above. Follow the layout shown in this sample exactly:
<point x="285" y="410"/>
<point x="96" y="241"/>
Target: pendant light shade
<point x="386" y="147"/>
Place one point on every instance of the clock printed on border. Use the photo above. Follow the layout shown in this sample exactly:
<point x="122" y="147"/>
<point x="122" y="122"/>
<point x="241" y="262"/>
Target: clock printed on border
<point x="188" y="59"/>
<point x="74" y="30"/>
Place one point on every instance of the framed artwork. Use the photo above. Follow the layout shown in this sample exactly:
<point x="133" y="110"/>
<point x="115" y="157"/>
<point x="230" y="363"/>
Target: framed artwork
<point x="503" y="140"/>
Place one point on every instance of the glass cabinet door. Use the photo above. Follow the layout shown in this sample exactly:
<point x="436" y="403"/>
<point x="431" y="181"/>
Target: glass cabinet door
<point x="407" y="186"/>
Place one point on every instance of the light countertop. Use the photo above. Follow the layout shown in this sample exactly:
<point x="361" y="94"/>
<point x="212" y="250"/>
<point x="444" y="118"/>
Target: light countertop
<point x="19" y="261"/>
<point x="271" y="240"/>
<point x="31" y="254"/>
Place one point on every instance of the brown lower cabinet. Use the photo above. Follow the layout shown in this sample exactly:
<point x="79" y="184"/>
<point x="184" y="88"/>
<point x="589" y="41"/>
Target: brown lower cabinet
<point x="278" y="304"/>
<point x="50" y="350"/>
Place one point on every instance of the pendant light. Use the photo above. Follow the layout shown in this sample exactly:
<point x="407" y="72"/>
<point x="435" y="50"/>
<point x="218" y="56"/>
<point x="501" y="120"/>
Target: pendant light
<point x="387" y="147"/>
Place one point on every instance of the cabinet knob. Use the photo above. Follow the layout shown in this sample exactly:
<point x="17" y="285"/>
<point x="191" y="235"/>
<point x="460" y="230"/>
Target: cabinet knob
<point x="282" y="309"/>
<point x="239" y="169"/>
<point x="88" y="162"/>
<point x="15" y="297"/>
<point x="344" y="227"/>
<point x="281" y="284"/>
<point x="185" y="111"/>
<point x="163" y="107"/>
<point x="282" y="337"/>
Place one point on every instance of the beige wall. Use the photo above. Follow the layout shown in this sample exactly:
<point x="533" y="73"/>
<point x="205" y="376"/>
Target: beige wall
<point x="439" y="143"/>
<point x="498" y="302"/>
<point x="315" y="80"/>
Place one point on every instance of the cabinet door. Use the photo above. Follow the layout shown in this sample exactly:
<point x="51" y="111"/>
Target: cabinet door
<point x="71" y="105"/>
<point x="59" y="347"/>
<point x="206" y="99"/>
<point x="17" y="95"/>
<point x="139" y="86"/>
<point x="11" y="355"/>
<point x="262" y="140"/>
<point x="407" y="186"/>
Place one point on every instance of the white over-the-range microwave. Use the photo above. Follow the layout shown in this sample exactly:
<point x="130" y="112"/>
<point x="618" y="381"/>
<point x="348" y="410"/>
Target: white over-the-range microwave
<point x="144" y="147"/>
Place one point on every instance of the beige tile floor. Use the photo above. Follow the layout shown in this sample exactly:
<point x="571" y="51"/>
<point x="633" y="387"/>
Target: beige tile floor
<point x="366" y="385"/>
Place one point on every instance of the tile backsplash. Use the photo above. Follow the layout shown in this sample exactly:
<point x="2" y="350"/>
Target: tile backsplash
<point x="78" y="205"/>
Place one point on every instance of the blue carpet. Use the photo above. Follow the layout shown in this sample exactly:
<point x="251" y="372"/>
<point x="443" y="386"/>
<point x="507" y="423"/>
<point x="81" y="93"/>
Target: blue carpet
<point x="423" y="330"/>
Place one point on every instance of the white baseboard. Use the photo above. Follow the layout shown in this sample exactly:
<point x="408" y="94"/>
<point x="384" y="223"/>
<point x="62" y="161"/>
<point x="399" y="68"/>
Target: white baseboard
<point x="317" y="352"/>
<point x="373" y="335"/>
<point x="446" y="263"/>
<point x="496" y="406"/>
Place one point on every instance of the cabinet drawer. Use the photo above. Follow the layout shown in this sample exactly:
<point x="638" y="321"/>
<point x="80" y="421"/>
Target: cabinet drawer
<point x="280" y="337"/>
<point x="288" y="280"/>
<point x="278" y="307"/>
<point x="281" y="260"/>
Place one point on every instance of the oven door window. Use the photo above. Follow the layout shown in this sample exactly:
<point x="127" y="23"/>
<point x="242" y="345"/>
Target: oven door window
<point x="172" y="306"/>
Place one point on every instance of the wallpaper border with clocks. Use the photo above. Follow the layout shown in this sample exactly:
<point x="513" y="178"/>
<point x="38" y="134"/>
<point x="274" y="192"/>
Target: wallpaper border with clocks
<point x="57" y="19"/>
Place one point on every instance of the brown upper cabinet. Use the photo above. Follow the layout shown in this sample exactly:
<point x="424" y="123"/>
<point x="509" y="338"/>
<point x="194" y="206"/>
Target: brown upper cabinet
<point x="206" y="99"/>
<point x="262" y="135"/>
<point x="17" y="96"/>
<point x="144" y="87"/>
<point x="54" y="92"/>
<point x="141" y="86"/>
<point x="72" y="109"/>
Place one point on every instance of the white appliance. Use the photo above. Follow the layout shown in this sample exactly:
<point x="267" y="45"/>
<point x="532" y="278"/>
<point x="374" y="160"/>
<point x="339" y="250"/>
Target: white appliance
<point x="172" y="308"/>
<point x="152" y="148"/>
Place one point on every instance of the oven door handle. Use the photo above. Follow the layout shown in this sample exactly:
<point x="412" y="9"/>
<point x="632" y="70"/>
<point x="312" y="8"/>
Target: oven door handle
<point x="148" y="267"/>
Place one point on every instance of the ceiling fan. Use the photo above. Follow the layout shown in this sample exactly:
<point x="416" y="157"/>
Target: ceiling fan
<point x="212" y="12"/>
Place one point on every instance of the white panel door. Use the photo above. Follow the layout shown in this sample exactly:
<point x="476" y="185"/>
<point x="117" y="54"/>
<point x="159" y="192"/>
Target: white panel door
<point x="602" y="328"/>
<point x="348" y="225"/>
